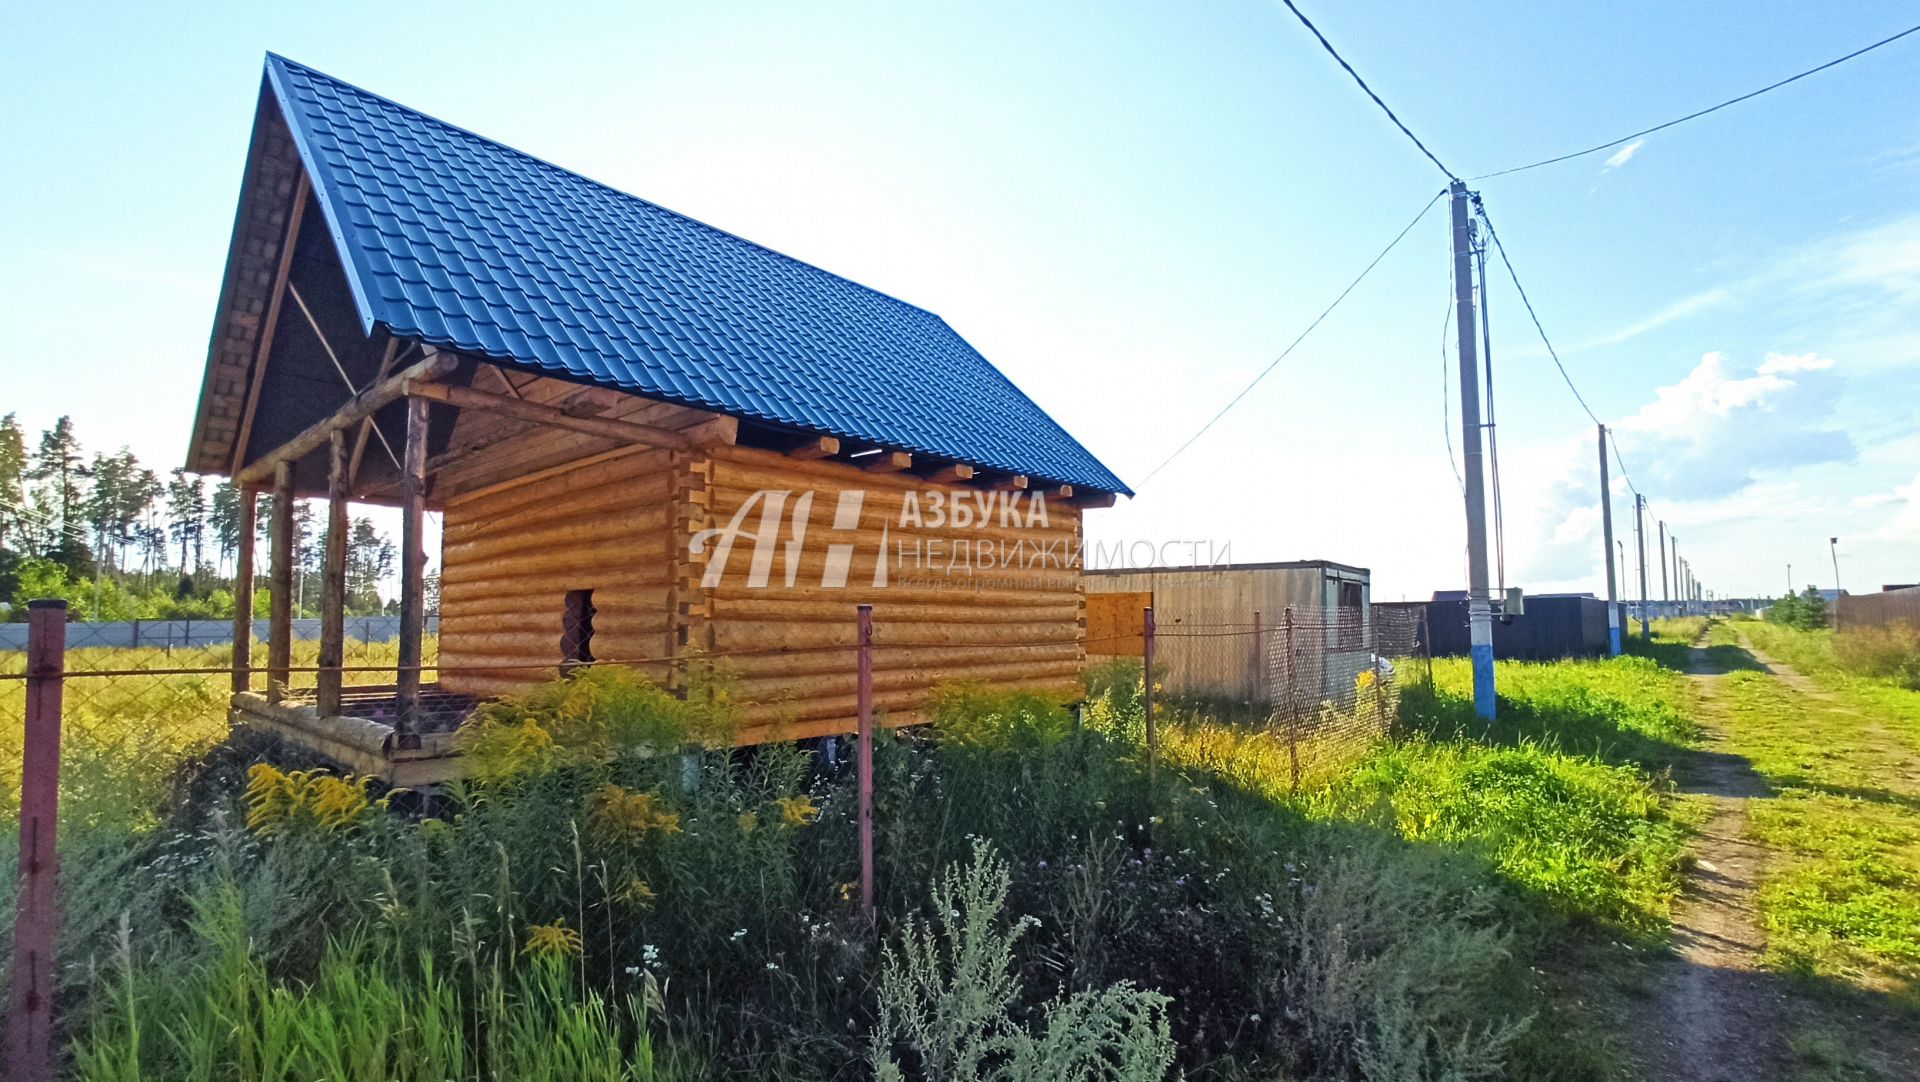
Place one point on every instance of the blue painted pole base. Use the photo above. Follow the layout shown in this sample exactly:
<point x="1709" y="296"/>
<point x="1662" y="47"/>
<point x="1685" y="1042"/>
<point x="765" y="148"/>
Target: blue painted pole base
<point x="1613" y="640"/>
<point x="1484" y="700"/>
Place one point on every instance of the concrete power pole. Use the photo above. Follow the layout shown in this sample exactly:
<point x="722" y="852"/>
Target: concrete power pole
<point x="1640" y="539"/>
<point x="1606" y="532"/>
<point x="1479" y="601"/>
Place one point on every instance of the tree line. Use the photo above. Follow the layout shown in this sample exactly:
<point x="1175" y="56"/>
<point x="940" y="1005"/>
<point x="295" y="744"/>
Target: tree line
<point x="121" y="542"/>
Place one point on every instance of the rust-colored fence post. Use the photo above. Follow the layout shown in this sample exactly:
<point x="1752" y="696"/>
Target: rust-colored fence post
<point x="1293" y="694"/>
<point x="37" y="921"/>
<point x="1146" y="679"/>
<point x="864" y="760"/>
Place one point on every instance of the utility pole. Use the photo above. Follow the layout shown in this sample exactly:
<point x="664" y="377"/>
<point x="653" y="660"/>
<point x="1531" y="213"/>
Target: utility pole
<point x="1479" y="602"/>
<point x="1666" y="594"/>
<point x="1640" y="538"/>
<point x="1606" y="532"/>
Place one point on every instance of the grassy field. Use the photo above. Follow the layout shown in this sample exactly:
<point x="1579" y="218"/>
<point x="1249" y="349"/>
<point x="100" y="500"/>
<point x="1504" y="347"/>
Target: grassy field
<point x="1466" y="900"/>
<point x="1842" y="898"/>
<point x="124" y="737"/>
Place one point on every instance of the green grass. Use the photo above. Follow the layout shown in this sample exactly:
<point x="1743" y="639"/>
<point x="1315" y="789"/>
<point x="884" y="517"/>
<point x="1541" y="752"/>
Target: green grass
<point x="1841" y="895"/>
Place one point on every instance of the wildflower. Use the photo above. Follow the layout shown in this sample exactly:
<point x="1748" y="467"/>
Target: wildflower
<point x="554" y="940"/>
<point x="649" y="954"/>
<point x="739" y="934"/>
<point x="772" y="966"/>
<point x="797" y="811"/>
<point x="846" y="892"/>
<point x="635" y="892"/>
<point x="633" y="971"/>
<point x="747" y="820"/>
<point x="620" y="814"/>
<point x="276" y="799"/>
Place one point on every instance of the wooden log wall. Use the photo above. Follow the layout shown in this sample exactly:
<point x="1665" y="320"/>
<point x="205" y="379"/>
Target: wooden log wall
<point x="510" y="553"/>
<point x="789" y="648"/>
<point x="531" y="514"/>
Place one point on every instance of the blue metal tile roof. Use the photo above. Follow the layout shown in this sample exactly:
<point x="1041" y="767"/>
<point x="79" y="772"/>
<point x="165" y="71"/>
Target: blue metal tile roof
<point x="464" y="243"/>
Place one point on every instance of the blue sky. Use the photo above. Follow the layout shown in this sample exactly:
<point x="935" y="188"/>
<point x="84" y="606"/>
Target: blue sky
<point x="1131" y="208"/>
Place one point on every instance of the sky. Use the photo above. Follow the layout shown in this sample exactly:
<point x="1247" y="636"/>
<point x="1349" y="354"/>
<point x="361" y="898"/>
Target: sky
<point x="1132" y="208"/>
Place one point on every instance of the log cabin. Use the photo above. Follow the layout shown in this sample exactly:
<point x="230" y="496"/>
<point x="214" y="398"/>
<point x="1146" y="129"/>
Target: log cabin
<point x="650" y="442"/>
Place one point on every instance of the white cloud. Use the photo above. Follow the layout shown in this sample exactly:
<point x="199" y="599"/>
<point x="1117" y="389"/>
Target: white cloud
<point x="1625" y="154"/>
<point x="1904" y="523"/>
<point x="1802" y="362"/>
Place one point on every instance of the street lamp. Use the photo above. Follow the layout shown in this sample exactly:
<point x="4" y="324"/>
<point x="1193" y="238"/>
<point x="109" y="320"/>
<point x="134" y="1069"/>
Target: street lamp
<point x="1833" y="549"/>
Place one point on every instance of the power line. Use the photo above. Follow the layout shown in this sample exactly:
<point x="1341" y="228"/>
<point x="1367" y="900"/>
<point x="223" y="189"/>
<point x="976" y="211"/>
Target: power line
<point x="1331" y="51"/>
<point x="1690" y="116"/>
<point x="1275" y="363"/>
<point x="1531" y="314"/>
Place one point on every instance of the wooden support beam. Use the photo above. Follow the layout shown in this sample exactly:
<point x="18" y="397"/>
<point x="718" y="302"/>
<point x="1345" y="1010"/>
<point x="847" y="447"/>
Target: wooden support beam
<point x="333" y="580"/>
<point x="280" y="616"/>
<point x="366" y="425"/>
<point x="953" y="474"/>
<point x="243" y="591"/>
<point x="271" y="321"/>
<point x="1014" y="483"/>
<point x="1064" y="492"/>
<point x="436" y="365"/>
<point x="624" y="431"/>
<point x="887" y="462"/>
<point x="720" y="429"/>
<point x="816" y="447"/>
<point x="413" y="569"/>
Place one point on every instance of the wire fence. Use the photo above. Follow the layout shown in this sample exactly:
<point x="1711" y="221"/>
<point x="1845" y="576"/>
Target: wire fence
<point x="96" y="733"/>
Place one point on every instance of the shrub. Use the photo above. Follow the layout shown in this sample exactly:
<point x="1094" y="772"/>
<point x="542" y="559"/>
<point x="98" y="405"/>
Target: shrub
<point x="1806" y="610"/>
<point x="949" y="990"/>
<point x="1886" y="653"/>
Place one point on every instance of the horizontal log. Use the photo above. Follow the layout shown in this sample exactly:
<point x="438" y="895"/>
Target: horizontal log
<point x="557" y="479"/>
<point x="755" y="687"/>
<point x="778" y="607"/>
<point x="609" y="495"/>
<point x="470" y="602"/>
<point x="858" y="591"/>
<point x="550" y="416"/>
<point x="614" y="567"/>
<point x="733" y="633"/>
<point x="636" y="529"/>
<point x="436" y="365"/>
<point x="815" y="447"/>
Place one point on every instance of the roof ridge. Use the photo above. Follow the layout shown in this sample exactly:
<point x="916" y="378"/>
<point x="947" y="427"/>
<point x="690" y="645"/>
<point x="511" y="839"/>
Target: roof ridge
<point x="620" y="192"/>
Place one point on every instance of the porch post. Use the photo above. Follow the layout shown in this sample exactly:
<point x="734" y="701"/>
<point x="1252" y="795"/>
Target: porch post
<point x="280" y="616"/>
<point x="413" y="570"/>
<point x="243" y="592"/>
<point x="333" y="579"/>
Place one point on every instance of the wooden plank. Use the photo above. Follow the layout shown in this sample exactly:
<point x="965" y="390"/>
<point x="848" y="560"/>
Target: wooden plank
<point x="413" y="571"/>
<point x="626" y="431"/>
<point x="435" y="365"/>
<point x="243" y="592"/>
<point x="1013" y="483"/>
<point x="280" y="616"/>
<point x="1116" y="624"/>
<point x="333" y="580"/>
<point x="264" y="346"/>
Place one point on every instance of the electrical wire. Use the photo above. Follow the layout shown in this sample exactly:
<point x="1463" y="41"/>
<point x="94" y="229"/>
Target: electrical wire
<point x="1331" y="51"/>
<point x="1492" y="424"/>
<point x="1690" y="116"/>
<point x="1446" y="385"/>
<point x="1531" y="314"/>
<point x="1275" y="363"/>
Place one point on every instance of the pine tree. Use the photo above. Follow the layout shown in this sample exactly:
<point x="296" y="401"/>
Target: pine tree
<point x="13" y="473"/>
<point x="223" y="517"/>
<point x="59" y="471"/>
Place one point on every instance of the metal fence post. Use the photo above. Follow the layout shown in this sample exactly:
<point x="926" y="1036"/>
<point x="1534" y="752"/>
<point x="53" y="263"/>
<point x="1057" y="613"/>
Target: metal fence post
<point x="1146" y="678"/>
<point x="864" y="757"/>
<point x="37" y="921"/>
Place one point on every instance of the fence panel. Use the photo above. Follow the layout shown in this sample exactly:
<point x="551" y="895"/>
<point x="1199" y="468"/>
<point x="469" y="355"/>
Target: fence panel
<point x="1859" y="612"/>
